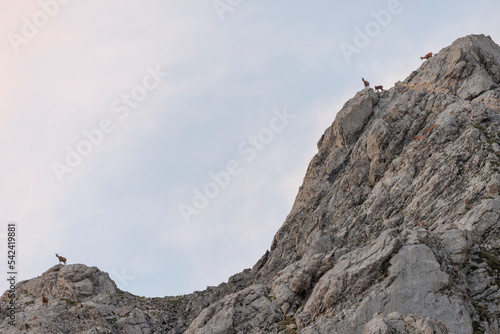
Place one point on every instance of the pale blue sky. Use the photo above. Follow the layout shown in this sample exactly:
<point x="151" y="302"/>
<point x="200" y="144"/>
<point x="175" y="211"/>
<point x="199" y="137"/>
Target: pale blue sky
<point x="119" y="209"/>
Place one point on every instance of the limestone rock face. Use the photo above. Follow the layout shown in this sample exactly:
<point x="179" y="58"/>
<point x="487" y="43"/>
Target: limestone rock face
<point x="76" y="281"/>
<point x="395" y="323"/>
<point x="467" y="68"/>
<point x="395" y="229"/>
<point x="247" y="311"/>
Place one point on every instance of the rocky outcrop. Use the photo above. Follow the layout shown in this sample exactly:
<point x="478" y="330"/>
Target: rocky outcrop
<point x="394" y="323"/>
<point x="248" y="311"/>
<point x="81" y="300"/>
<point x="419" y="175"/>
<point x="467" y="68"/>
<point x="395" y="228"/>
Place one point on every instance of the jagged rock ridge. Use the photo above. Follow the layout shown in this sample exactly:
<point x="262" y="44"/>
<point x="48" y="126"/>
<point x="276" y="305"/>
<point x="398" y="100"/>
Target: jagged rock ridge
<point x="394" y="230"/>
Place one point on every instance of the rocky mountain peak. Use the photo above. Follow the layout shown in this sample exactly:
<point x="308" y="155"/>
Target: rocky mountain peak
<point x="75" y="281"/>
<point x="381" y="216"/>
<point x="466" y="68"/>
<point x="395" y="229"/>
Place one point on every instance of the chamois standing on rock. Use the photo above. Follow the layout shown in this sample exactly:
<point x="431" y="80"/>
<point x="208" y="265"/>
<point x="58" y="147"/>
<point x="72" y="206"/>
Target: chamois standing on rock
<point x="427" y="56"/>
<point x="380" y="87"/>
<point x="61" y="259"/>
<point x="45" y="300"/>
<point x="367" y="84"/>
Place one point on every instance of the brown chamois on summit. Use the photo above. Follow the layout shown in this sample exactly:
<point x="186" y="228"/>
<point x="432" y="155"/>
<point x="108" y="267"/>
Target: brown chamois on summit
<point x="427" y="56"/>
<point x="61" y="259"/>
<point x="379" y="87"/>
<point x="367" y="84"/>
